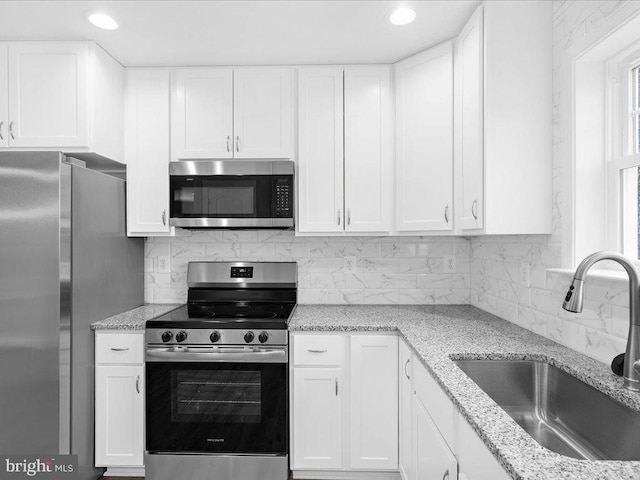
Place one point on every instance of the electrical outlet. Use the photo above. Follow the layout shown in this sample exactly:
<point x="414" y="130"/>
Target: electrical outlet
<point x="349" y="264"/>
<point x="449" y="264"/>
<point x="164" y="264"/>
<point x="525" y="274"/>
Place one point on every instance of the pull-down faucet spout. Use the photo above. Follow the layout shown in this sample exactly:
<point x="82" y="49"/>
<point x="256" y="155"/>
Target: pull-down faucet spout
<point x="575" y="296"/>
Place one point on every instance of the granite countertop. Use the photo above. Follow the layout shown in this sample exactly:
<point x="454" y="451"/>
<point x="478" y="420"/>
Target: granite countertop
<point x="438" y="334"/>
<point x="134" y="319"/>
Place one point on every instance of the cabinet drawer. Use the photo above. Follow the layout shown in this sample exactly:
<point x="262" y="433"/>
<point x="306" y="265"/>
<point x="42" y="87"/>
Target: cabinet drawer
<point x="119" y="348"/>
<point x="318" y="349"/>
<point x="431" y="395"/>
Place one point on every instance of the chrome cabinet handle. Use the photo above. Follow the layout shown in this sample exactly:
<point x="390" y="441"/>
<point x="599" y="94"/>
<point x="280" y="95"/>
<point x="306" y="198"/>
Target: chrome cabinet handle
<point x="1" y="125"/>
<point x="336" y="387"/>
<point x="11" y="131"/>
<point x="339" y="216"/>
<point x="316" y="351"/>
<point x="348" y="216"/>
<point x="446" y="213"/>
<point x="474" y="205"/>
<point x="228" y="143"/>
<point x="405" y="369"/>
<point x="164" y="218"/>
<point x="446" y="475"/>
<point x="138" y="384"/>
<point x="237" y="143"/>
<point x="115" y="349"/>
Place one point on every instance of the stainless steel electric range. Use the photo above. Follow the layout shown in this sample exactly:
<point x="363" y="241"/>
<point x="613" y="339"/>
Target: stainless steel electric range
<point x="217" y="375"/>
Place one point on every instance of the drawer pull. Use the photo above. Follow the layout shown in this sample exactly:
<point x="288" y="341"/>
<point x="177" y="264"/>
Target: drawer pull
<point x="336" y="387"/>
<point x="405" y="370"/>
<point x="446" y="475"/>
<point x="115" y="349"/>
<point x="138" y="384"/>
<point x="311" y="350"/>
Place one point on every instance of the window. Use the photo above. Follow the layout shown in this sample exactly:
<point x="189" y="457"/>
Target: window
<point x="626" y="165"/>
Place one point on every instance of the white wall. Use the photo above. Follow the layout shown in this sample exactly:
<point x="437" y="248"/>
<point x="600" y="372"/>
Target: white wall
<point x="601" y="330"/>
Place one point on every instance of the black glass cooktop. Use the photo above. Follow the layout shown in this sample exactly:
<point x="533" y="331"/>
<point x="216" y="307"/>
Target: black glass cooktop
<point x="267" y="316"/>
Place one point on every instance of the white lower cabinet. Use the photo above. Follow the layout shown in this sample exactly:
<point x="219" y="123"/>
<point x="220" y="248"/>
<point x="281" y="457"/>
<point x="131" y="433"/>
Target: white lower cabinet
<point x="433" y="458"/>
<point x="405" y="443"/>
<point x="317" y="418"/>
<point x="373" y="402"/>
<point x="119" y="404"/>
<point x="344" y="405"/>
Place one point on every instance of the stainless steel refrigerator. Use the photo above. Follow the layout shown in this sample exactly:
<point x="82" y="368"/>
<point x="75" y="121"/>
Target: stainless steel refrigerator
<point x="65" y="262"/>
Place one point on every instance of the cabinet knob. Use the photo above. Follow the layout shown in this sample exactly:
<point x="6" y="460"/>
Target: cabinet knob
<point x="11" y="131"/>
<point x="474" y="207"/>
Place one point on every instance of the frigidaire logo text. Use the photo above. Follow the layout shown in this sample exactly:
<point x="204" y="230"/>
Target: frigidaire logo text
<point x="37" y="466"/>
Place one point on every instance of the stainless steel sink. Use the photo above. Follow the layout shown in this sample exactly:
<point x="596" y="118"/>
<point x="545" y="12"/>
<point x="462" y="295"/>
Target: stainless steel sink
<point x="559" y="411"/>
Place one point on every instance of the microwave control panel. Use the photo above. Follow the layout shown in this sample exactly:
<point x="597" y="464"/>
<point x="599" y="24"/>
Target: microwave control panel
<point x="283" y="198"/>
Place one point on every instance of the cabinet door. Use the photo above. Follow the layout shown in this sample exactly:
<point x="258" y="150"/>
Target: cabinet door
<point x="48" y="94"/>
<point x="368" y="130"/>
<point x="4" y="98"/>
<point x="263" y="114"/>
<point x="147" y="151"/>
<point x="202" y="113"/>
<point x="471" y="172"/>
<point x="119" y="416"/>
<point x="320" y="150"/>
<point x="374" y="402"/>
<point x="476" y="461"/>
<point x="405" y="398"/>
<point x="424" y="162"/>
<point x="433" y="457"/>
<point x="317" y="418"/>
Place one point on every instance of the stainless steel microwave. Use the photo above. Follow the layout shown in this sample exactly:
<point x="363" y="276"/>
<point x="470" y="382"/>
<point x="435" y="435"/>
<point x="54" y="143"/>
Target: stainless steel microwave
<point x="231" y="194"/>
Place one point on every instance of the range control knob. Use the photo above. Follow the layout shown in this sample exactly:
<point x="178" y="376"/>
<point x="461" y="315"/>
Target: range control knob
<point x="166" y="336"/>
<point x="263" y="337"/>
<point x="248" y="337"/>
<point x="181" y="336"/>
<point x="214" y="337"/>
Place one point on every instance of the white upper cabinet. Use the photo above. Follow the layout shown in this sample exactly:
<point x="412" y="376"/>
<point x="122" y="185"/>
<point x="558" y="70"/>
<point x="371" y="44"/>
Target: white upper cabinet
<point x="320" y="152"/>
<point x="424" y="147"/>
<point x="147" y="151"/>
<point x="504" y="92"/>
<point x="231" y="113"/>
<point x="62" y="95"/>
<point x="368" y="147"/>
<point x="48" y="94"/>
<point x="262" y="122"/>
<point x="471" y="182"/>
<point x="202" y="113"/>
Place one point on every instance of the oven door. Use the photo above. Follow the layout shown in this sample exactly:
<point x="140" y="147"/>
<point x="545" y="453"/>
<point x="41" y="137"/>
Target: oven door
<point x="215" y="404"/>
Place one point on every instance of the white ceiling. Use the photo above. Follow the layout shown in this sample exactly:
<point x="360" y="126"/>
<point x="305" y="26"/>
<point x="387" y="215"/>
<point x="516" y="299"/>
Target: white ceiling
<point x="238" y="32"/>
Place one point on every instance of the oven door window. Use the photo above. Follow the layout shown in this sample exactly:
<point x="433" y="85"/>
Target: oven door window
<point x="221" y="196"/>
<point x="216" y="407"/>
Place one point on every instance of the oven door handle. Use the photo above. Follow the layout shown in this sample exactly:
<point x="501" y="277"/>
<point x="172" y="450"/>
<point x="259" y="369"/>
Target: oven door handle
<point x="191" y="354"/>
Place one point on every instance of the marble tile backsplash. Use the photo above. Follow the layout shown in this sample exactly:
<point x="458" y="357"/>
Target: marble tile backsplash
<point x="396" y="270"/>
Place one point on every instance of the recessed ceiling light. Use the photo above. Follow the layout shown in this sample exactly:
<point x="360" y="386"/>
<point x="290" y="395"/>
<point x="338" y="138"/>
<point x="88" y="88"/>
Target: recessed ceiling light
<point x="402" y="16"/>
<point x="104" y="21"/>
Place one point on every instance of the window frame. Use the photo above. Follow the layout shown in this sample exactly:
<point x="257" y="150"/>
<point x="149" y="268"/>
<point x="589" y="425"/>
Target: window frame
<point x="623" y="151"/>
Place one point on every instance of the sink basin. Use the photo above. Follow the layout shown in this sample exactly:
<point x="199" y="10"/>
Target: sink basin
<point x="559" y="411"/>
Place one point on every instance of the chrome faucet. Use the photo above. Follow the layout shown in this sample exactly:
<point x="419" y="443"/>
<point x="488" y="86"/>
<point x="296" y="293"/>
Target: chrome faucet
<point x="575" y="296"/>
